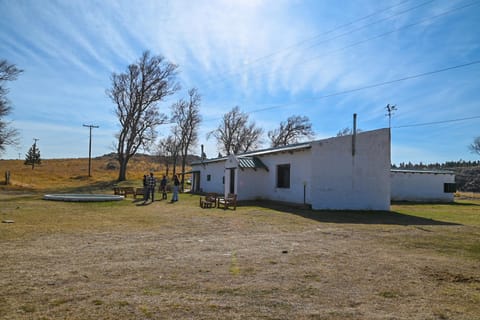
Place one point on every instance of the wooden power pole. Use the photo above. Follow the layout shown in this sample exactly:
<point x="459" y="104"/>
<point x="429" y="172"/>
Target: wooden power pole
<point x="90" y="126"/>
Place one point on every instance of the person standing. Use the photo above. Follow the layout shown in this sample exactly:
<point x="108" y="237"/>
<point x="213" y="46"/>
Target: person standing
<point x="152" y="182"/>
<point x="176" y="186"/>
<point x="163" y="187"/>
<point x="145" y="188"/>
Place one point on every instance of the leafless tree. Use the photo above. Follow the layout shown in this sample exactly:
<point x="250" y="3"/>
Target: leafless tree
<point x="235" y="134"/>
<point x="136" y="94"/>
<point x="475" y="146"/>
<point x="8" y="135"/>
<point x="291" y="131"/>
<point x="347" y="131"/>
<point x="186" y="116"/>
<point x="168" y="151"/>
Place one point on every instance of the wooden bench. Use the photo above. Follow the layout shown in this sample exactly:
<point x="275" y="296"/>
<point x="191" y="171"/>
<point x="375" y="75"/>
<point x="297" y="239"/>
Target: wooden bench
<point x="139" y="192"/>
<point x="229" y="201"/>
<point x="117" y="191"/>
<point x="124" y="191"/>
<point x="209" y="201"/>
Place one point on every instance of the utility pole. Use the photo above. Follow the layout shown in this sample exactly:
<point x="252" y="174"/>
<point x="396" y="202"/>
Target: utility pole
<point x="90" y="126"/>
<point x="390" y="110"/>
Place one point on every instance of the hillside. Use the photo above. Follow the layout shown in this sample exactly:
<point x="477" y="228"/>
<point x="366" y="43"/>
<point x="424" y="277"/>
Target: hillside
<point x="468" y="179"/>
<point x="72" y="174"/>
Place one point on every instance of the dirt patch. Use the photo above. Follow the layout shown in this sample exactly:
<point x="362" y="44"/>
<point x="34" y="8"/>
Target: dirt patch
<point x="447" y="276"/>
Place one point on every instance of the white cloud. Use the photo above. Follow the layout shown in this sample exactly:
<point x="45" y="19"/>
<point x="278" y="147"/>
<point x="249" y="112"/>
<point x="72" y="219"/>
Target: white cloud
<point x="255" y="54"/>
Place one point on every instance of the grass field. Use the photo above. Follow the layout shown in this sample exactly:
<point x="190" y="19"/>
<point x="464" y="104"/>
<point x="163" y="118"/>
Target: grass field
<point x="72" y="174"/>
<point x="124" y="260"/>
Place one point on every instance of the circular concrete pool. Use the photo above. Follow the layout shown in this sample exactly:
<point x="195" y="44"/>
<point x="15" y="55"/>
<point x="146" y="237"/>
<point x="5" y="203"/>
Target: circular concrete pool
<point x="78" y="197"/>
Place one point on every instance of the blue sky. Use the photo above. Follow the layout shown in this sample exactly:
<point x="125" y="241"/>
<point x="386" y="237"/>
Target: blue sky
<point x="322" y="59"/>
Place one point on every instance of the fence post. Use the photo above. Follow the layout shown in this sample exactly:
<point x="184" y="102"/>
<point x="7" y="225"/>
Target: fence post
<point x="7" y="177"/>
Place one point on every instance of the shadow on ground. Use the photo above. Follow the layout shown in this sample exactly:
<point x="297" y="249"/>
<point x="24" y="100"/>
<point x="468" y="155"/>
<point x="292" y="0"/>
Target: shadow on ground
<point x="352" y="217"/>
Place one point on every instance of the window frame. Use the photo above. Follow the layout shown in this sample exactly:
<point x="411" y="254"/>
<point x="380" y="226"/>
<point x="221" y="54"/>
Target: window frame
<point x="283" y="176"/>
<point x="449" y="187"/>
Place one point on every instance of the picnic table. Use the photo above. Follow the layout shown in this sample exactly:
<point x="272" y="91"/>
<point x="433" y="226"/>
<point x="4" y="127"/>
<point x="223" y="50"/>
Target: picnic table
<point x="209" y="201"/>
<point x="229" y="201"/>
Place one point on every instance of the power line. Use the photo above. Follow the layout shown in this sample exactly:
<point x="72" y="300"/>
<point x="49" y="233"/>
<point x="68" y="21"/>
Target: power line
<point x="435" y="122"/>
<point x="354" y="44"/>
<point x="317" y="36"/>
<point x="375" y="85"/>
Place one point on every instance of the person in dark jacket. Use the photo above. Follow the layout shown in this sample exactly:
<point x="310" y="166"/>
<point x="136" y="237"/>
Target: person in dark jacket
<point x="151" y="183"/>
<point x="176" y="186"/>
<point x="163" y="187"/>
<point x="145" y="188"/>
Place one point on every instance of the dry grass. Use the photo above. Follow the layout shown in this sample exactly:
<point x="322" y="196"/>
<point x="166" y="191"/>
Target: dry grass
<point x="72" y="174"/>
<point x="121" y="260"/>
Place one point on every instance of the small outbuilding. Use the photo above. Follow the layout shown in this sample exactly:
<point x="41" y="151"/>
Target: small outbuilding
<point x="423" y="186"/>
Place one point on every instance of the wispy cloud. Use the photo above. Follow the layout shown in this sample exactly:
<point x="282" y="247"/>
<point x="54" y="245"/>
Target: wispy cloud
<point x="255" y="54"/>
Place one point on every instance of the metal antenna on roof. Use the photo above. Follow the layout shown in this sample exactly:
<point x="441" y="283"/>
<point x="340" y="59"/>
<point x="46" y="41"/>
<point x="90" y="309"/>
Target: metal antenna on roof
<point x="390" y="110"/>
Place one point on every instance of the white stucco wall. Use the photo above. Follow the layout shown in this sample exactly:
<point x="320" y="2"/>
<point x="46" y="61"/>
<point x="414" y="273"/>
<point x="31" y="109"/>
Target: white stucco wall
<point x="421" y="186"/>
<point x="251" y="184"/>
<point x="300" y="166"/>
<point x="361" y="181"/>
<point x="216" y="170"/>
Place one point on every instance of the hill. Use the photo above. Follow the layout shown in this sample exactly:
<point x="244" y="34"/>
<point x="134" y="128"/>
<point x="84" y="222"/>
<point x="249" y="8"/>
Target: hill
<point x="72" y="174"/>
<point x="468" y="179"/>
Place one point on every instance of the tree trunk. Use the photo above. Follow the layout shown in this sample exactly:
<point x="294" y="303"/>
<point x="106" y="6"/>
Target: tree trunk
<point x="174" y="166"/>
<point x="122" y="174"/>
<point x="182" y="182"/>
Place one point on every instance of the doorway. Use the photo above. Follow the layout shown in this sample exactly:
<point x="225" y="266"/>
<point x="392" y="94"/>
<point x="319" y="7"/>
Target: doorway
<point x="232" y="181"/>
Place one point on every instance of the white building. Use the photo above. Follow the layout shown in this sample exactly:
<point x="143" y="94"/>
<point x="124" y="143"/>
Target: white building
<point x="348" y="172"/>
<point x="428" y="186"/>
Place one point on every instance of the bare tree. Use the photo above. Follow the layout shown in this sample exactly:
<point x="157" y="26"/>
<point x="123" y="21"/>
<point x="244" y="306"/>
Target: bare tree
<point x="136" y="94"/>
<point x="475" y="146"/>
<point x="235" y="134"/>
<point x="168" y="150"/>
<point x="8" y="135"/>
<point x="346" y="132"/>
<point x="186" y="116"/>
<point x="291" y="131"/>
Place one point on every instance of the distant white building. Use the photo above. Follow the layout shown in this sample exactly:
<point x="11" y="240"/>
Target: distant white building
<point x="341" y="173"/>
<point x="427" y="186"/>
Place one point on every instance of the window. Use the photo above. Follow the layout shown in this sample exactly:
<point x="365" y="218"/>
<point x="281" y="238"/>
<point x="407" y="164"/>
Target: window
<point x="283" y="176"/>
<point x="209" y="177"/>
<point x="449" y="188"/>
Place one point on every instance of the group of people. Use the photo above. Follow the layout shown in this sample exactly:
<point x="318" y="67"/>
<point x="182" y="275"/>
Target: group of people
<point x="150" y="182"/>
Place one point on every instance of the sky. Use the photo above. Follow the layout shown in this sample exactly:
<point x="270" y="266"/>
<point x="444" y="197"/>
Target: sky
<point x="324" y="59"/>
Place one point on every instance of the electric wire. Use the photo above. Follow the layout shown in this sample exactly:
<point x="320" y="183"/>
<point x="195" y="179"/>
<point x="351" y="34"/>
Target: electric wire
<point x="370" y="86"/>
<point x="222" y="78"/>
<point x="376" y="36"/>
<point x="435" y="122"/>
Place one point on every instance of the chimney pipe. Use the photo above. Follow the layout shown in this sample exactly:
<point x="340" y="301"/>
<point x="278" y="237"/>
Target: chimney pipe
<point x="354" y="133"/>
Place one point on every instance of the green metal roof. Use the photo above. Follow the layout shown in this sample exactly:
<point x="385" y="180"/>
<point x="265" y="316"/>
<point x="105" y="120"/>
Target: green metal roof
<point x="289" y="148"/>
<point x="251" y="162"/>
